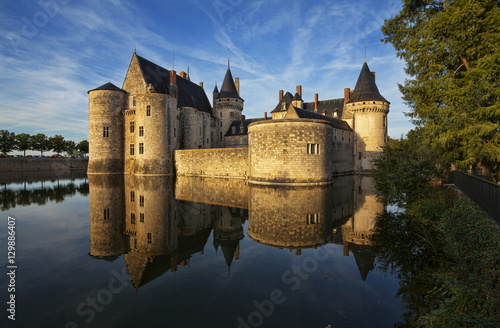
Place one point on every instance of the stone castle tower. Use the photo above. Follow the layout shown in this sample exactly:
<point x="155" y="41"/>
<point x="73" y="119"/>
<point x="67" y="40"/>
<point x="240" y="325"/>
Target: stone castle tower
<point x="367" y="111"/>
<point x="227" y="103"/>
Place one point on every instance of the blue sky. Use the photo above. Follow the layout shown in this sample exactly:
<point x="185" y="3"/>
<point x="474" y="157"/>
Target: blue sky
<point x="53" y="51"/>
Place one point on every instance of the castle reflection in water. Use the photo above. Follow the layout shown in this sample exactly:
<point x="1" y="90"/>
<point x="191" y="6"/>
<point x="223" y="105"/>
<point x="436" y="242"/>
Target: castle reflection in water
<point x="157" y="223"/>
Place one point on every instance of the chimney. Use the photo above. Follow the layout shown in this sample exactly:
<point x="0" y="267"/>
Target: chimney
<point x="183" y="74"/>
<point x="242" y="118"/>
<point x="237" y="84"/>
<point x="315" y="101"/>
<point x="347" y="94"/>
<point x="173" y="77"/>
<point x="265" y="116"/>
<point x="373" y="74"/>
<point x="201" y="85"/>
<point x="281" y="94"/>
<point x="299" y="90"/>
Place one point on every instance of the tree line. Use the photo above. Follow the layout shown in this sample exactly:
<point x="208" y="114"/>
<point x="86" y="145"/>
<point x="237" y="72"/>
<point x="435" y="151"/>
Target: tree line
<point x="9" y="141"/>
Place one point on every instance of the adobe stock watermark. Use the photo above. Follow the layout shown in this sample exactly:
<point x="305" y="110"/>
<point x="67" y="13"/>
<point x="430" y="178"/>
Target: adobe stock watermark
<point x="32" y="25"/>
<point x="292" y="279"/>
<point x="87" y="309"/>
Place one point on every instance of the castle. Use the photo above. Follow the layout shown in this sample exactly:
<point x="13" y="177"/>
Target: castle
<point x="161" y="123"/>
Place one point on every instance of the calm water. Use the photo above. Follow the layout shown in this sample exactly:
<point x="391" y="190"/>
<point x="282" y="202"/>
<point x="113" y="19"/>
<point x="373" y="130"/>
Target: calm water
<point x="114" y="251"/>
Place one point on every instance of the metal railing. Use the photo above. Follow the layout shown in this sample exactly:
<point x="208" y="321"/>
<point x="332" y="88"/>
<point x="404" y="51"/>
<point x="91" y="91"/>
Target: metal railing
<point x="484" y="193"/>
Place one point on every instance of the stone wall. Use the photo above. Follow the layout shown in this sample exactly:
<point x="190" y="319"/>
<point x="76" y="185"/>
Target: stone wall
<point x="216" y="163"/>
<point x="56" y="165"/>
<point x="279" y="151"/>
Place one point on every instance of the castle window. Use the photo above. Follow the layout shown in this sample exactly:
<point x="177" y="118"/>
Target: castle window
<point x="242" y="129"/>
<point x="148" y="110"/>
<point x="221" y="124"/>
<point x="132" y="127"/>
<point x="233" y="130"/>
<point x="132" y="218"/>
<point x="141" y="131"/>
<point x="335" y="133"/>
<point x="342" y="135"/>
<point x="133" y="101"/>
<point x="132" y="196"/>
<point x="359" y="155"/>
<point x="231" y="114"/>
<point x="141" y="200"/>
<point x="207" y="140"/>
<point x="220" y="114"/>
<point x="312" y="218"/>
<point x="135" y="243"/>
<point x="313" y="149"/>
<point x="385" y="121"/>
<point x="283" y="106"/>
<point x="131" y="149"/>
<point x="141" y="217"/>
<point x="141" y="148"/>
<point x="149" y="237"/>
<point x="105" y="132"/>
<point x="106" y="214"/>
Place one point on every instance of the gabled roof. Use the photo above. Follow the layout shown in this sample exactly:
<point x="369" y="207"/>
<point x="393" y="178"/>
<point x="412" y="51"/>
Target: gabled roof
<point x="228" y="89"/>
<point x="108" y="86"/>
<point x="294" y="112"/>
<point x="366" y="89"/>
<point x="237" y="125"/>
<point x="329" y="106"/>
<point x="297" y="96"/>
<point x="287" y="99"/>
<point x="189" y="94"/>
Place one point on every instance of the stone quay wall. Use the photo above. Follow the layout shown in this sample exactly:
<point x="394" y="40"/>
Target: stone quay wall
<point x="215" y="163"/>
<point x="27" y="164"/>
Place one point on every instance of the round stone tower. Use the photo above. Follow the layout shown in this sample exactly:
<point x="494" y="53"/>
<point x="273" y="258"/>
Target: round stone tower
<point x="106" y="136"/>
<point x="369" y="120"/>
<point x="228" y="104"/>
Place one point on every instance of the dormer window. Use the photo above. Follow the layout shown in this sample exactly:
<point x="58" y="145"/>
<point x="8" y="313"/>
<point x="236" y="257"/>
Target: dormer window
<point x="283" y="106"/>
<point x="233" y="130"/>
<point x="242" y="129"/>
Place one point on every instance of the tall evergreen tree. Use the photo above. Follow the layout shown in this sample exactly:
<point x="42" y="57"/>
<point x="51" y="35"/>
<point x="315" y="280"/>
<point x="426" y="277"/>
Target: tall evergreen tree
<point x="452" y="53"/>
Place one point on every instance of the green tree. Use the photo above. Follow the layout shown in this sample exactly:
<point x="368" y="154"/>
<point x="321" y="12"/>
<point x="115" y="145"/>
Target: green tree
<point x="57" y="144"/>
<point x="70" y="147"/>
<point x="452" y="53"/>
<point x="23" y="142"/>
<point x="40" y="143"/>
<point x="7" y="141"/>
<point x="83" y="146"/>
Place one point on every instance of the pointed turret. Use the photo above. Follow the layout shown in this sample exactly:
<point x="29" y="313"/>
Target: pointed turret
<point x="366" y="89"/>
<point x="228" y="89"/>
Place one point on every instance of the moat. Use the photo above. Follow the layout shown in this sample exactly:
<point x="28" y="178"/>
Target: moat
<point x="129" y="251"/>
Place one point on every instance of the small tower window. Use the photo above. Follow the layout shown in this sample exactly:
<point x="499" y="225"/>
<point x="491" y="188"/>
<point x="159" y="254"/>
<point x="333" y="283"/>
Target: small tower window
<point x="313" y="149"/>
<point x="131" y="149"/>
<point x="133" y="101"/>
<point x="141" y="148"/>
<point x="148" y="110"/>
<point x="231" y="114"/>
<point x="106" y="214"/>
<point x="141" y="131"/>
<point x="132" y="218"/>
<point x="385" y="121"/>
<point x="149" y="237"/>
<point x="132" y="127"/>
<point x="132" y="196"/>
<point x="105" y="132"/>
<point x="141" y="201"/>
<point x="220" y="114"/>
<point x="141" y="217"/>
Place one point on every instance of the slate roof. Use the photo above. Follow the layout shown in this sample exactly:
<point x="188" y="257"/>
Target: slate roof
<point x="297" y="96"/>
<point x="237" y="125"/>
<point x="108" y="86"/>
<point x="228" y="89"/>
<point x="287" y="99"/>
<point x="366" y="89"/>
<point x="330" y="106"/>
<point x="337" y="123"/>
<point x="189" y="94"/>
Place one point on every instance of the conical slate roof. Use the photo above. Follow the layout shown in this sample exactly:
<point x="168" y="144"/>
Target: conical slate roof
<point x="366" y="89"/>
<point x="108" y="86"/>
<point x="228" y="89"/>
<point x="297" y="96"/>
<point x="216" y="90"/>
